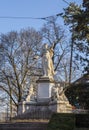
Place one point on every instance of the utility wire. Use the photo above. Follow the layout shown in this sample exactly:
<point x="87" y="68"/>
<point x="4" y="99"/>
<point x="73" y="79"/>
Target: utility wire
<point x="66" y="2"/>
<point x="13" y="17"/>
<point x="42" y="18"/>
<point x="34" y="18"/>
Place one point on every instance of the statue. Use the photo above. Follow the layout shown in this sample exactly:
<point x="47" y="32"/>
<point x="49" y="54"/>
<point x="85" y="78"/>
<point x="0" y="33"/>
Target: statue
<point x="31" y="94"/>
<point x="47" y="54"/>
<point x="57" y="94"/>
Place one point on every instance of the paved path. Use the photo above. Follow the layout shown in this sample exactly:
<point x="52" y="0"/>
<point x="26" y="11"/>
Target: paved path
<point x="24" y="126"/>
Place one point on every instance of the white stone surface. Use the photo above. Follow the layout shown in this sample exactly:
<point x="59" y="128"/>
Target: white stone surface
<point x="47" y="63"/>
<point x="30" y="95"/>
<point x="60" y="107"/>
<point x="21" y="108"/>
<point x="44" y="91"/>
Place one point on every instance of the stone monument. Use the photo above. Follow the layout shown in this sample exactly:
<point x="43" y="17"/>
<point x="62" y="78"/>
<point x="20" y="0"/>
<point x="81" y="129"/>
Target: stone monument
<point x="50" y="96"/>
<point x="46" y="82"/>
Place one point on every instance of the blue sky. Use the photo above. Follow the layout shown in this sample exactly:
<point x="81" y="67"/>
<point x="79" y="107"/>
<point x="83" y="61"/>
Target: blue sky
<point x="28" y="8"/>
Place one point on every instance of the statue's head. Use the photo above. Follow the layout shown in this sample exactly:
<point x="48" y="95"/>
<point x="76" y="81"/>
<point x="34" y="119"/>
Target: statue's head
<point x="45" y="45"/>
<point x="58" y="85"/>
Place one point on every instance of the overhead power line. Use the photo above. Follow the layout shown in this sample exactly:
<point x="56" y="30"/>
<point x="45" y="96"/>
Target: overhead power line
<point x="66" y="2"/>
<point x="34" y="18"/>
<point x="40" y="18"/>
<point x="15" y="17"/>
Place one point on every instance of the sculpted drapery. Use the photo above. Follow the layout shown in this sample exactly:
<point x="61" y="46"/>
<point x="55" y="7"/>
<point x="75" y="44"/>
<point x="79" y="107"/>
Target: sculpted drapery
<point x="47" y="62"/>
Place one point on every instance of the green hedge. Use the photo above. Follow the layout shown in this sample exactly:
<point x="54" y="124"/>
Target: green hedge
<point x="62" y="121"/>
<point x="69" y="121"/>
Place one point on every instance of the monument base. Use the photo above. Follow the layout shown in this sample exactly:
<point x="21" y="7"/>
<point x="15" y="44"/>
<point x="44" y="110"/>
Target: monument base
<point x="44" y="103"/>
<point x="44" y="87"/>
<point x="26" y="107"/>
<point x="60" y="107"/>
<point x="34" y="110"/>
<point x="43" y="109"/>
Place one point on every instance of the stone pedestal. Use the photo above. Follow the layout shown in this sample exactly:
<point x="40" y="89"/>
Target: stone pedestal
<point x="44" y="89"/>
<point x="60" y="107"/>
<point x="37" y="110"/>
<point x="25" y="107"/>
<point x="41" y="106"/>
<point x="44" y="102"/>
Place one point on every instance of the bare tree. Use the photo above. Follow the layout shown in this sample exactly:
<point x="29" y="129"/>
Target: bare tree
<point x="19" y="50"/>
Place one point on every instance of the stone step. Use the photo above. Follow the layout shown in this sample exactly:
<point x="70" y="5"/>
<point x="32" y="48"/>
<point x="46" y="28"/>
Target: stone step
<point x="24" y="126"/>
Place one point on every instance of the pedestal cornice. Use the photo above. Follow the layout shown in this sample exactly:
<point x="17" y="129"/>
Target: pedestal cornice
<point x="45" y="79"/>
